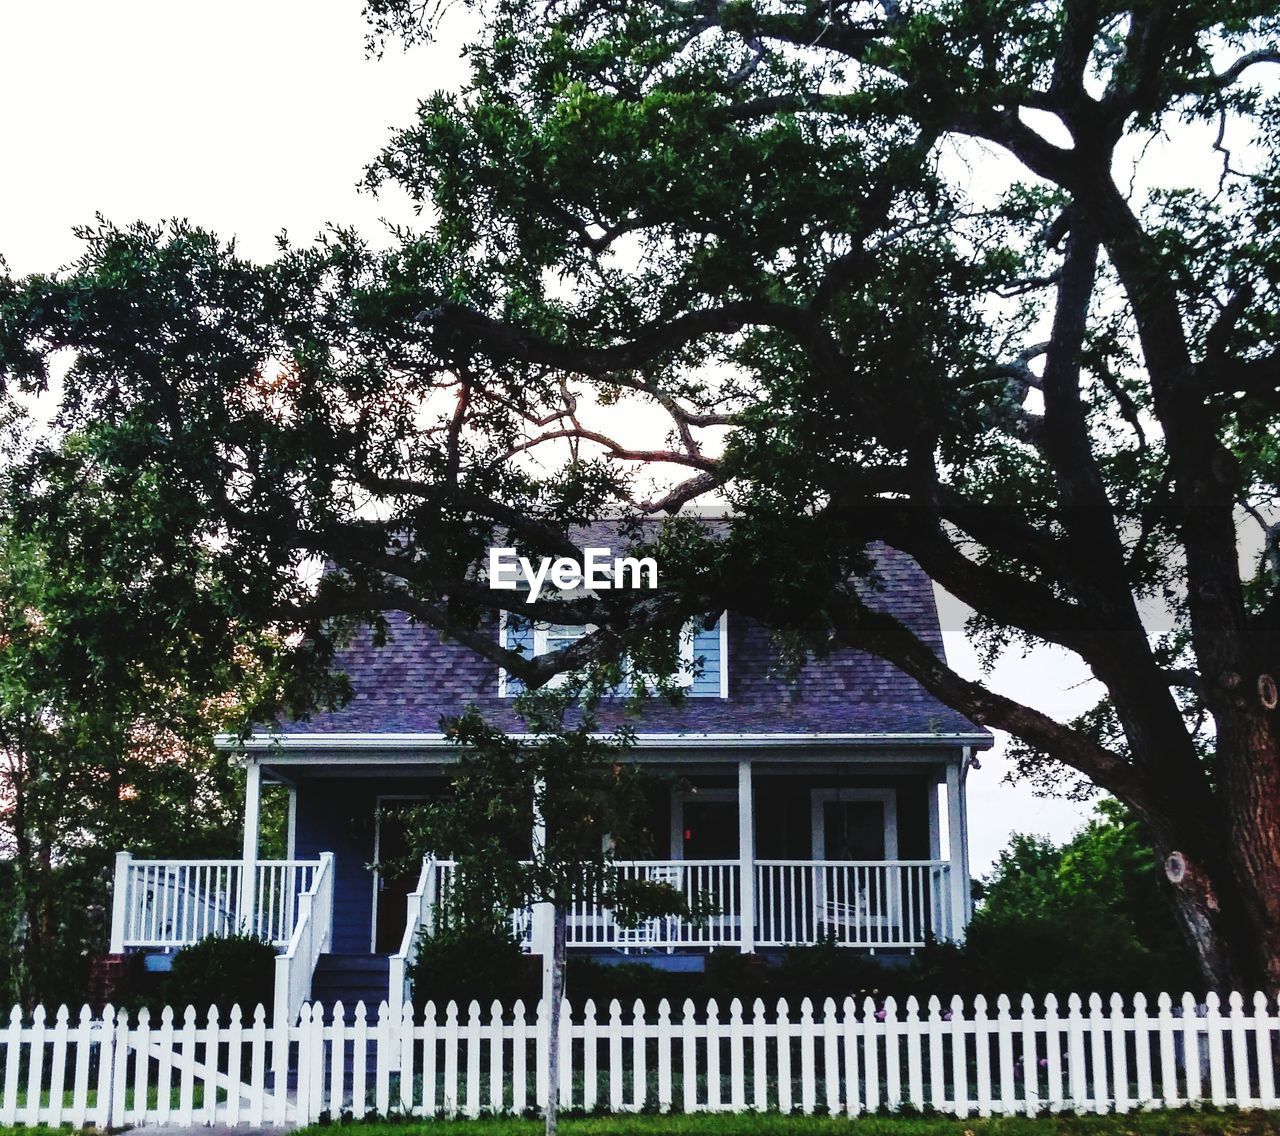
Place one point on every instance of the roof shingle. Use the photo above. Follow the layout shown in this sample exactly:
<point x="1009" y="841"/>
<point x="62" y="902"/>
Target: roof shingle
<point x="408" y="685"/>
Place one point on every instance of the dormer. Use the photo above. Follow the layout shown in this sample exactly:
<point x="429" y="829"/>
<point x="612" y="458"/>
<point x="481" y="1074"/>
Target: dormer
<point x="704" y="651"/>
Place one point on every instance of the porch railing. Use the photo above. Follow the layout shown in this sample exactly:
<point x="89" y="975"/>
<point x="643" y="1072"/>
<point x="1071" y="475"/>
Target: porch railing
<point x="420" y="916"/>
<point x="312" y="936"/>
<point x="866" y="904"/>
<point x="167" y="904"/>
<point x="888" y="903"/>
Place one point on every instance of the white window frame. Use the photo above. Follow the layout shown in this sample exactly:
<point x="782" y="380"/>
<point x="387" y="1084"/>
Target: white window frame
<point x="817" y="819"/>
<point x="683" y="676"/>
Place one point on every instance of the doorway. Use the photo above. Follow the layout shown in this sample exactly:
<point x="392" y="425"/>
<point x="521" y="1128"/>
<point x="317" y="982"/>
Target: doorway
<point x="705" y="825"/>
<point x="395" y="875"/>
<point x="855" y="824"/>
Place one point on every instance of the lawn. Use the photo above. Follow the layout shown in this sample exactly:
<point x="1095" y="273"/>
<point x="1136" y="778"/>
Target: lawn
<point x="1163" y="1123"/>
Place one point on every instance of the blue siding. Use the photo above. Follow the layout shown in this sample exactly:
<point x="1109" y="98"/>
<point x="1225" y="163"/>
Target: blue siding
<point x="707" y="662"/>
<point x="337" y="817"/>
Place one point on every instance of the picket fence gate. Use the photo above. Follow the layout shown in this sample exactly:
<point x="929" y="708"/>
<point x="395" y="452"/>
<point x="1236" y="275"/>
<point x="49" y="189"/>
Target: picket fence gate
<point x="841" y="1059"/>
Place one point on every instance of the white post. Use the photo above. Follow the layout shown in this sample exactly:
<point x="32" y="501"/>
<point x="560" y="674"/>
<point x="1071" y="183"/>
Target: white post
<point x="291" y="844"/>
<point x="119" y="902"/>
<point x="542" y="936"/>
<point x="249" y="853"/>
<point x="964" y="837"/>
<point x="746" y="859"/>
<point x="957" y="855"/>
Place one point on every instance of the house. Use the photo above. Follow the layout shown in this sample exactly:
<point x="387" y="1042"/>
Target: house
<point x="828" y="804"/>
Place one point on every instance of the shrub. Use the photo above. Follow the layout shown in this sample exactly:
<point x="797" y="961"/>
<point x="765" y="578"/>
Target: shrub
<point x="479" y="961"/>
<point x="222" y="972"/>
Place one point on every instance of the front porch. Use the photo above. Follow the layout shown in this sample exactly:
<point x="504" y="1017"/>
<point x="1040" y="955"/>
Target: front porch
<point x="863" y="850"/>
<point x="164" y="905"/>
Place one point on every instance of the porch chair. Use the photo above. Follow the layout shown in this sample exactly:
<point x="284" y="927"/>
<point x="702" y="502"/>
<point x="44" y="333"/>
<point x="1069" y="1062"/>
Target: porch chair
<point x="855" y="918"/>
<point x="659" y="931"/>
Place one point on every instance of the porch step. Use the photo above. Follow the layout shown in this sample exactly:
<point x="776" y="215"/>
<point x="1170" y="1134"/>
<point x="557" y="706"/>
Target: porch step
<point x="351" y="979"/>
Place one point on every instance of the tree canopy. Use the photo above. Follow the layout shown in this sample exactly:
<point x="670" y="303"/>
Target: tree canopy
<point x="928" y="274"/>
<point x="121" y="655"/>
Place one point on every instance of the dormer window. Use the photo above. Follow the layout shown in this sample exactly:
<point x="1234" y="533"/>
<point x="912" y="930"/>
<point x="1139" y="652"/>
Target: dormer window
<point x="703" y="653"/>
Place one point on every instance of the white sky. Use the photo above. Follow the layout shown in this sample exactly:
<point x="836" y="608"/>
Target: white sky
<point x="249" y="118"/>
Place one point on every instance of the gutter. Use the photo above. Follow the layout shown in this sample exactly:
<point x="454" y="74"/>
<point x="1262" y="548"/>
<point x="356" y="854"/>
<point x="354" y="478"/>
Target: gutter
<point x="370" y="741"/>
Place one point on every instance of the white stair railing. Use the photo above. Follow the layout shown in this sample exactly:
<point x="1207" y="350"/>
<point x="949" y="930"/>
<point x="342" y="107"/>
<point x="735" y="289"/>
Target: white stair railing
<point x="312" y="936"/>
<point x="420" y="916"/>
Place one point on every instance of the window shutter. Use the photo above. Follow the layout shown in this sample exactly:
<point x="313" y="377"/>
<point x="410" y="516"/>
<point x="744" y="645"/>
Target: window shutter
<point x="707" y="660"/>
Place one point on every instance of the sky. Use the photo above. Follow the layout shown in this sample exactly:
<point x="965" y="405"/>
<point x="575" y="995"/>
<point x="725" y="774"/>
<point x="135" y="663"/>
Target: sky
<point x="252" y="118"/>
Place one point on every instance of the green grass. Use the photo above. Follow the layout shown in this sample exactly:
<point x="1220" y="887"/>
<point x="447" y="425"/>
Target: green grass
<point x="1166" y="1123"/>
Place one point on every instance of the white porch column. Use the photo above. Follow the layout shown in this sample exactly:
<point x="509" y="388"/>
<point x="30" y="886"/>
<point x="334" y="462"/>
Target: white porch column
<point x="291" y="839"/>
<point x="249" y="852"/>
<point x="119" y="903"/>
<point x="542" y="938"/>
<point x="964" y="834"/>
<point x="746" y="858"/>
<point x="957" y="854"/>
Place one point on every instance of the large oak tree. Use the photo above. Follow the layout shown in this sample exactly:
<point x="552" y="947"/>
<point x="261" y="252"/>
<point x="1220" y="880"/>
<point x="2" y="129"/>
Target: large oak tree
<point x="991" y="282"/>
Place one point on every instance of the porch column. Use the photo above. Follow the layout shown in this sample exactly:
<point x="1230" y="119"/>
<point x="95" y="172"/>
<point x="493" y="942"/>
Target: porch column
<point x="957" y="855"/>
<point x="964" y="834"/>
<point x="746" y="858"/>
<point x="291" y="841"/>
<point x="249" y="852"/>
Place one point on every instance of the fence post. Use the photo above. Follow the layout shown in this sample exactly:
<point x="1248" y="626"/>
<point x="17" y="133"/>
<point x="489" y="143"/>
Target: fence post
<point x="12" y="1064"/>
<point x="119" y="902"/>
<point x="280" y="1065"/>
<point x="106" y="1053"/>
<point x="1263" y="1051"/>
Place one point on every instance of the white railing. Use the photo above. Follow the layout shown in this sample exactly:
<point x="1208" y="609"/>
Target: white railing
<point x="888" y="903"/>
<point x="712" y="885"/>
<point x="312" y="936"/>
<point x="279" y="884"/>
<point x="168" y="904"/>
<point x="1004" y="1058"/>
<point x="446" y="873"/>
<point x="869" y="904"/>
<point x="420" y="916"/>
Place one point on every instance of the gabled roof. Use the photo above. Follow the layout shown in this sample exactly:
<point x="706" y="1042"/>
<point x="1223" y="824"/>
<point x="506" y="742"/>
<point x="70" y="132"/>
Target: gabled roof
<point x="408" y="685"/>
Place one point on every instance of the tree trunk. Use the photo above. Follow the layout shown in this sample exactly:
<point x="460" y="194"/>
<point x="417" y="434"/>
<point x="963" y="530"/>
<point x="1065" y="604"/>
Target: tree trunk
<point x="1219" y="862"/>
<point x="1249" y="775"/>
<point x="553" y="1015"/>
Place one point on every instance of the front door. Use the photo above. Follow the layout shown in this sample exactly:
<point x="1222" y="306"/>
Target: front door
<point x="396" y="875"/>
<point x="854" y="824"/>
<point x="853" y="830"/>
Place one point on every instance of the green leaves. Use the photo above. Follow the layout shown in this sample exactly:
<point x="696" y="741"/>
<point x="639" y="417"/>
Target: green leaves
<point x="589" y="801"/>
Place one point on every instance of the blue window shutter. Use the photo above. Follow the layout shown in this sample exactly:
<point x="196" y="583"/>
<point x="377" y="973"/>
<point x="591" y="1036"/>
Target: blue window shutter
<point x="519" y="637"/>
<point x="707" y="661"/>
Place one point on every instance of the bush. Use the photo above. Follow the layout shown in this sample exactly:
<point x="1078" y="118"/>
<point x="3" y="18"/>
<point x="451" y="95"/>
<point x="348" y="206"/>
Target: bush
<point x="483" y="962"/>
<point x="233" y="970"/>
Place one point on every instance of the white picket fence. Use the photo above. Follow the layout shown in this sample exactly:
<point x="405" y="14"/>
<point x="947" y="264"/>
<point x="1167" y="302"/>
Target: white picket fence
<point x="842" y="1059"/>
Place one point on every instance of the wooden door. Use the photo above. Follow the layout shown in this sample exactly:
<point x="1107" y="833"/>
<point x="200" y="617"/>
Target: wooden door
<point x="396" y="877"/>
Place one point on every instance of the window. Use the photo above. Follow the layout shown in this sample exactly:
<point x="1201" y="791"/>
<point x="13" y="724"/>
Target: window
<point x="702" y="652"/>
